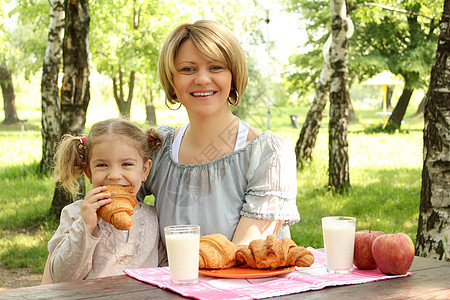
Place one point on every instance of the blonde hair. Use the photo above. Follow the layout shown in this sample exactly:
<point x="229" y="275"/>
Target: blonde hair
<point x="214" y="41"/>
<point x="73" y="154"/>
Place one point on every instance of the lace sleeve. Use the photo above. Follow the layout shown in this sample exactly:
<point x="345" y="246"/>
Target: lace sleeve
<point x="272" y="187"/>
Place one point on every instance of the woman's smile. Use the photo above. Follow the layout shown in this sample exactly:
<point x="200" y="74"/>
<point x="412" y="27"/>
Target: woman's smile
<point x="204" y="94"/>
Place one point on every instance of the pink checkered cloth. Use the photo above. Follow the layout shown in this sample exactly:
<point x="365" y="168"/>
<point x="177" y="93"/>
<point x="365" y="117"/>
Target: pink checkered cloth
<point x="297" y="281"/>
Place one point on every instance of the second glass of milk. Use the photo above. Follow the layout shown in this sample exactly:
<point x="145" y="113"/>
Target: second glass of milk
<point x="339" y="242"/>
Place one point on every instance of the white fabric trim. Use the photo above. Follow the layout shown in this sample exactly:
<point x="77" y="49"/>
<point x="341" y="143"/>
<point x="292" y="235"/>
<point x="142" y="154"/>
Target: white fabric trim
<point x="241" y="140"/>
<point x="177" y="142"/>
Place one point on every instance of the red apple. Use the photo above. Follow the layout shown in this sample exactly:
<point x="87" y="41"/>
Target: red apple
<point x="362" y="255"/>
<point x="393" y="253"/>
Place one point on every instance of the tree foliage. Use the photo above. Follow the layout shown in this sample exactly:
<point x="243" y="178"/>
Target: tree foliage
<point x="401" y="40"/>
<point x="22" y="45"/>
<point x="25" y="35"/>
<point x="125" y="40"/>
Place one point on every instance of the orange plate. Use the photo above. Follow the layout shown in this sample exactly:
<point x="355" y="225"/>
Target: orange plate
<point x="245" y="272"/>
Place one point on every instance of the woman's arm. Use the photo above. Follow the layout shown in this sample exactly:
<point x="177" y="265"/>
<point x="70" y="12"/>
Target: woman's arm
<point x="271" y="191"/>
<point x="249" y="229"/>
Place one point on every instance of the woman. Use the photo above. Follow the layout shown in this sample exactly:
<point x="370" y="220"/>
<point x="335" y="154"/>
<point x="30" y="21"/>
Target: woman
<point x="217" y="171"/>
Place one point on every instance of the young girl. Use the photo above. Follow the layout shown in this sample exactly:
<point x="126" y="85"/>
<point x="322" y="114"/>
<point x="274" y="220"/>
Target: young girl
<point x="116" y="152"/>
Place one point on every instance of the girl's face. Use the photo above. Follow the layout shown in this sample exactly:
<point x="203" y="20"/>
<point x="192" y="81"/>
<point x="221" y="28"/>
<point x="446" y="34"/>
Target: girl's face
<point x="116" y="161"/>
<point x="201" y="85"/>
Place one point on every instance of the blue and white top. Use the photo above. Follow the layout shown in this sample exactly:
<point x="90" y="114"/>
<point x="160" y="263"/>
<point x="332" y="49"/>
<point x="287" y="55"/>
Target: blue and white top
<point x="257" y="180"/>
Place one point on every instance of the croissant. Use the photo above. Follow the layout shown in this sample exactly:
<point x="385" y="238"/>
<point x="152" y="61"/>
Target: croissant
<point x="118" y="212"/>
<point x="216" y="252"/>
<point x="273" y="253"/>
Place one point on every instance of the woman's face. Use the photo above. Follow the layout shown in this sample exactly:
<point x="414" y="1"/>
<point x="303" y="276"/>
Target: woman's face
<point x="201" y="85"/>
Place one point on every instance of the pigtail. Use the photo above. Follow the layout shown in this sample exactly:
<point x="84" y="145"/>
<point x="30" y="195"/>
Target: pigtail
<point x="70" y="159"/>
<point x="154" y="141"/>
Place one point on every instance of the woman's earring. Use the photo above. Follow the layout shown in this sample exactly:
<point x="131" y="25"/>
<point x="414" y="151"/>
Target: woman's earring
<point x="174" y="100"/>
<point x="236" y="101"/>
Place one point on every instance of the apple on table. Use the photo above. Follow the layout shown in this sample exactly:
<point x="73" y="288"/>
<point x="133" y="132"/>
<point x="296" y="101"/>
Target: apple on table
<point x="393" y="253"/>
<point x="362" y="255"/>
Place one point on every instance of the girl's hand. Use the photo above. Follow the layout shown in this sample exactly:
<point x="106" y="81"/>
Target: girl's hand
<point x="95" y="199"/>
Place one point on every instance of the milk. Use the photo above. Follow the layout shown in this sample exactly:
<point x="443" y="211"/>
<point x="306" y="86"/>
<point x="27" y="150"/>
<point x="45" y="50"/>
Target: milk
<point x="183" y="255"/>
<point x="339" y="241"/>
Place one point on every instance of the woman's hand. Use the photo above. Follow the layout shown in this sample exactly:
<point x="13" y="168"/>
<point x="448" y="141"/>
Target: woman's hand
<point x="94" y="199"/>
<point x="249" y="229"/>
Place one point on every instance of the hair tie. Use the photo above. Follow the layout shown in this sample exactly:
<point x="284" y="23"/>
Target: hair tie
<point x="81" y="148"/>
<point x="150" y="138"/>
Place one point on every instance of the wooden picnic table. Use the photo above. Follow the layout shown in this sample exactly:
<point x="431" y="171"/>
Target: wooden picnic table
<point x="430" y="280"/>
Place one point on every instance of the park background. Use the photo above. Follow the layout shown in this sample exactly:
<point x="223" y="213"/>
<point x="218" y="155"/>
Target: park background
<point x="385" y="167"/>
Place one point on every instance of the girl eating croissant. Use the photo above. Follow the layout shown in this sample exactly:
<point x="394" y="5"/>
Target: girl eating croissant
<point x="109" y="230"/>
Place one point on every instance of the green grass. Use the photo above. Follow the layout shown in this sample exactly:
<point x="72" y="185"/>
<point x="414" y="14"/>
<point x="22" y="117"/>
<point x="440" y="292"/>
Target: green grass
<point x="25" y="200"/>
<point x="385" y="177"/>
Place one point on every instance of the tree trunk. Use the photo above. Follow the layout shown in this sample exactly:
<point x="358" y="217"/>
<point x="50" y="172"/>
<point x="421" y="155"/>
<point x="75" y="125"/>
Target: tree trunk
<point x="421" y="108"/>
<point x="150" y="110"/>
<point x="49" y="85"/>
<point x="400" y="109"/>
<point x="9" y="98"/>
<point x="351" y="111"/>
<point x="75" y="94"/>
<point x="124" y="105"/>
<point x="310" y="129"/>
<point x="62" y="197"/>
<point x="338" y="168"/>
<point x="433" y="232"/>
<point x="389" y="92"/>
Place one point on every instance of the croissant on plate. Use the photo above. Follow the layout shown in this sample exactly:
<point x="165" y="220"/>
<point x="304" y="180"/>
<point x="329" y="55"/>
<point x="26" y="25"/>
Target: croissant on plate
<point x="216" y="252"/>
<point x="273" y="253"/>
<point x="118" y="212"/>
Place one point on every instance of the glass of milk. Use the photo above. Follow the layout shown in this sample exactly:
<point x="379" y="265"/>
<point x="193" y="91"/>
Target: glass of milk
<point x="339" y="242"/>
<point x="182" y="243"/>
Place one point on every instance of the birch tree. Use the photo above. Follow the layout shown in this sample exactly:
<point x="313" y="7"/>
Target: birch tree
<point x="310" y="128"/>
<point x="49" y="84"/>
<point x="313" y="121"/>
<point x="338" y="167"/>
<point x="433" y="232"/>
<point x="75" y="94"/>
